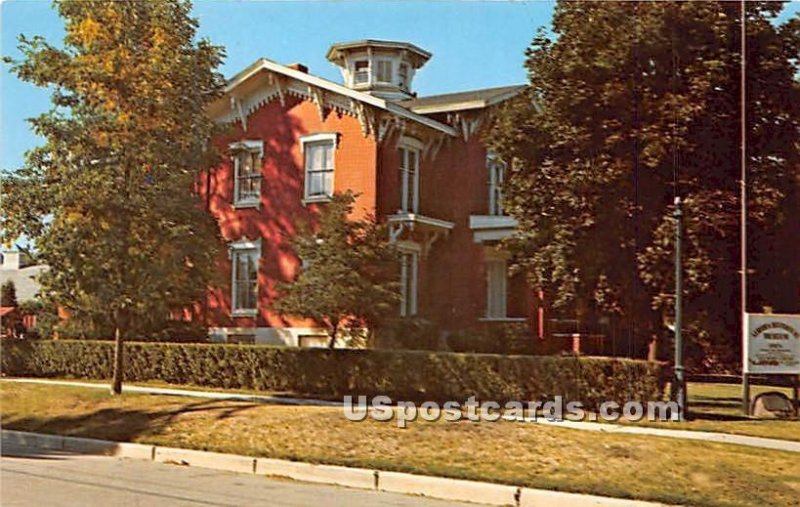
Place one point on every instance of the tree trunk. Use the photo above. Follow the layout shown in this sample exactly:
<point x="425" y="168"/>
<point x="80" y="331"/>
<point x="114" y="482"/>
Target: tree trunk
<point x="334" y="331"/>
<point x="116" y="381"/>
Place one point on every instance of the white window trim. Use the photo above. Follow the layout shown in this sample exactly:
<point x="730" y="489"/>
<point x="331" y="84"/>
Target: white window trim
<point x="493" y="164"/>
<point x="493" y="256"/>
<point x="391" y="77"/>
<point x="243" y="245"/>
<point x="252" y="146"/>
<point x="317" y="137"/>
<point x="402" y="82"/>
<point x="406" y="144"/>
<point x="409" y="296"/>
<point x="367" y="70"/>
<point x="496" y="289"/>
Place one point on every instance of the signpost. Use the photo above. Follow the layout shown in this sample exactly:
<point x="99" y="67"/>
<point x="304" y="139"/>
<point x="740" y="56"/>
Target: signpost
<point x="772" y="347"/>
<point x="679" y="382"/>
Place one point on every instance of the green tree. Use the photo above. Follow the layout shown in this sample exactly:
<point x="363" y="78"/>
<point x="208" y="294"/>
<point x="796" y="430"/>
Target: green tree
<point x="630" y="104"/>
<point x="8" y="294"/>
<point x="349" y="275"/>
<point x="109" y="199"/>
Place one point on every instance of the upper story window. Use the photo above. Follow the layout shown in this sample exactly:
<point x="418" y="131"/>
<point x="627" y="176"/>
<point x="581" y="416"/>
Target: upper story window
<point x="244" y="277"/>
<point x="409" y="176"/>
<point x="319" y="155"/>
<point x="361" y="72"/>
<point x="247" y="157"/>
<point x="497" y="174"/>
<point x="383" y="71"/>
<point x="402" y="75"/>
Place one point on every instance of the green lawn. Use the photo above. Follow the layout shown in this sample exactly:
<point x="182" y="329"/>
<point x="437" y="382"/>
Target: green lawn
<point x="649" y="468"/>
<point x="717" y="407"/>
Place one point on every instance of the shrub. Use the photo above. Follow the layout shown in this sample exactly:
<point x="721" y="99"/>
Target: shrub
<point x="400" y="374"/>
<point x="494" y="338"/>
<point x="412" y="333"/>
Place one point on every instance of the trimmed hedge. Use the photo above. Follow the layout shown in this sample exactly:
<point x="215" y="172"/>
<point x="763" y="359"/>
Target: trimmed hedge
<point x="399" y="374"/>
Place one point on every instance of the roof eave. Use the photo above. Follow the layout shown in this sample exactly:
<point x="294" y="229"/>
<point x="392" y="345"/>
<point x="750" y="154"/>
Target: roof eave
<point x="263" y="64"/>
<point x="467" y="104"/>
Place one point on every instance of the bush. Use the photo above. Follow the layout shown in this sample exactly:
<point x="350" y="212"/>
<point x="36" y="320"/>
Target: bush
<point x="411" y="333"/>
<point x="494" y="338"/>
<point x="402" y="375"/>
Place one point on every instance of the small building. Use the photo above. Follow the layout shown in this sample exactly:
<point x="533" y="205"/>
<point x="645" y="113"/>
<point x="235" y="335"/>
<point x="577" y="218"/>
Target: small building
<point x="25" y="278"/>
<point x="417" y="163"/>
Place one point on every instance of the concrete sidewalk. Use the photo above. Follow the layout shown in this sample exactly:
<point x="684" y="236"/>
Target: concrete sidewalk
<point x="705" y="436"/>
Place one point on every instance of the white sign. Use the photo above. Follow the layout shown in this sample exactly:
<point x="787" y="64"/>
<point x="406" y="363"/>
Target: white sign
<point x="773" y="344"/>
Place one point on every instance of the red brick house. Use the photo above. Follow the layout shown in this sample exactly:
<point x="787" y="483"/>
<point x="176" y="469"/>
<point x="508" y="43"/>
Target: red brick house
<point x="416" y="162"/>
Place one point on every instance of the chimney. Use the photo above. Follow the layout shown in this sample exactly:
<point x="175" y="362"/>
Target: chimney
<point x="10" y="260"/>
<point x="299" y="67"/>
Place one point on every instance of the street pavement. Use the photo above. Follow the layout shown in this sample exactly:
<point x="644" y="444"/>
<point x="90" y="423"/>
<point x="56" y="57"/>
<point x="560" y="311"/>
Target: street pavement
<point x="35" y="477"/>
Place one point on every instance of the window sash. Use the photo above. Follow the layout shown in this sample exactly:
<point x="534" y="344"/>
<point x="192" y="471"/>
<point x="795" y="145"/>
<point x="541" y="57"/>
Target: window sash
<point x="383" y="72"/>
<point x="361" y="72"/>
<point x="319" y="165"/>
<point x="409" y="271"/>
<point x="409" y="170"/>
<point x="245" y="279"/>
<point x="496" y="289"/>
<point x="247" y="176"/>
<point x="402" y="72"/>
<point x="497" y="169"/>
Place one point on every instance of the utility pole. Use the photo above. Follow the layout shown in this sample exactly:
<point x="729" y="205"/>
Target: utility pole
<point x="679" y="381"/>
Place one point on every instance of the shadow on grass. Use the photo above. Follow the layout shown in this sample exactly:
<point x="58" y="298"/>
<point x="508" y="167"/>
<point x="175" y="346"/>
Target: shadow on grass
<point x="121" y="424"/>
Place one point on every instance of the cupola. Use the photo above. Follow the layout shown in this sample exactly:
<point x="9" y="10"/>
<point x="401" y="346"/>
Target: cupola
<point x="381" y="68"/>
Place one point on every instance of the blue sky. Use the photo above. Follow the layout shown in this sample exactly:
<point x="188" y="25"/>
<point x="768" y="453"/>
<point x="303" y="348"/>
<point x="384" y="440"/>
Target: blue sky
<point x="474" y="44"/>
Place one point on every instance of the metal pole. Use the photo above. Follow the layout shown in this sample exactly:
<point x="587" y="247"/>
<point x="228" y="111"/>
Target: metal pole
<point x="679" y="382"/>
<point x="743" y="213"/>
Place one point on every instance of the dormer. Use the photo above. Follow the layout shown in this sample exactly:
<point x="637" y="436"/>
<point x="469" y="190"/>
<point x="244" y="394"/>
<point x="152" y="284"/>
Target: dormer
<point x="381" y="68"/>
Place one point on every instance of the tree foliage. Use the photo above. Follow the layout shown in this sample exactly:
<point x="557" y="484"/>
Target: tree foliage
<point x="108" y="200"/>
<point x="349" y="276"/>
<point x="630" y="104"/>
<point x="8" y="294"/>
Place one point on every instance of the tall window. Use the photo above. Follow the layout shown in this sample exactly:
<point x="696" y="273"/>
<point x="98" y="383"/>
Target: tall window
<point x="244" y="290"/>
<point x="409" y="174"/>
<point x="409" y="267"/>
<point x="496" y="288"/>
<point x="318" y="152"/>
<point x="497" y="172"/>
<point x="383" y="72"/>
<point x="247" y="172"/>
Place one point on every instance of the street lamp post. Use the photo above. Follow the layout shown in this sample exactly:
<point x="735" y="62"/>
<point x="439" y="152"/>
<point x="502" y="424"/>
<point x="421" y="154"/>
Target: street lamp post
<point x="679" y="382"/>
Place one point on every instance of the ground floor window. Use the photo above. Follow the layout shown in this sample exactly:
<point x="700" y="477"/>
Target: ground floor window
<point x="496" y="289"/>
<point x="244" y="286"/>
<point x="409" y="270"/>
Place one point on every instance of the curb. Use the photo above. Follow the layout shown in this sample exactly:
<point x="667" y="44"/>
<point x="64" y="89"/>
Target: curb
<point x="360" y="478"/>
<point x="90" y="446"/>
<point x="204" y="459"/>
<point x="448" y="489"/>
<point x="544" y="498"/>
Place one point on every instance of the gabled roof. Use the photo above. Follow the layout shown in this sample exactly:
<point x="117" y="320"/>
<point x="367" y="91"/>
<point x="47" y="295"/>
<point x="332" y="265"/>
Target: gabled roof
<point x="460" y="101"/>
<point x="264" y="65"/>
